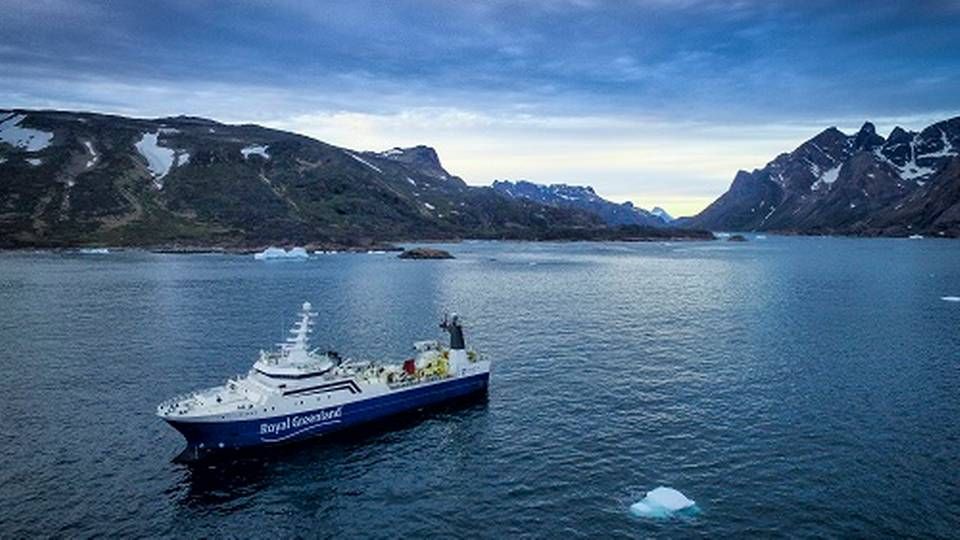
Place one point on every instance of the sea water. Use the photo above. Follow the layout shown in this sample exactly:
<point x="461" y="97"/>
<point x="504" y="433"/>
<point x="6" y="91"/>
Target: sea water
<point x="790" y="386"/>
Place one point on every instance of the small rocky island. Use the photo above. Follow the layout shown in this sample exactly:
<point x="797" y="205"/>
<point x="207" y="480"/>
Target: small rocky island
<point x="425" y="253"/>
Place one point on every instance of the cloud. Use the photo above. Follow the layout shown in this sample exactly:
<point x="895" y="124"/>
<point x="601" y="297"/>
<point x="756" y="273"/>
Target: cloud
<point x="643" y="98"/>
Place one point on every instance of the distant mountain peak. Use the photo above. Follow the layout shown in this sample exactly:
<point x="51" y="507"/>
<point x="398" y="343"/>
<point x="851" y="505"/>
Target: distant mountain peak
<point x="867" y="138"/>
<point x="899" y="135"/>
<point x="580" y="198"/>
<point x="74" y="178"/>
<point x="662" y="214"/>
<point x="859" y="184"/>
<point x="421" y="156"/>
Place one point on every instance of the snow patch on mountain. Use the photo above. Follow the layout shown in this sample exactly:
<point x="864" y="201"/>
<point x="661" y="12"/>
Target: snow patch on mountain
<point x="31" y="140"/>
<point x="827" y="178"/>
<point x="256" y="150"/>
<point x="393" y="152"/>
<point x="946" y="150"/>
<point x="93" y="154"/>
<point x="909" y="170"/>
<point x="365" y="162"/>
<point x="159" y="159"/>
<point x="662" y="214"/>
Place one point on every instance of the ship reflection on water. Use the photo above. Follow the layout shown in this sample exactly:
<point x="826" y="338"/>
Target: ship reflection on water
<point x="327" y="460"/>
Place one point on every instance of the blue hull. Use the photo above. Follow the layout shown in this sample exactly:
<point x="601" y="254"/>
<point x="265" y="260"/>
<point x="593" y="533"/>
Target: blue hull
<point x="204" y="437"/>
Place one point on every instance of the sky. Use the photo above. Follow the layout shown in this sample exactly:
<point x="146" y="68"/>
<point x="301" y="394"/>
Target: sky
<point x="655" y="101"/>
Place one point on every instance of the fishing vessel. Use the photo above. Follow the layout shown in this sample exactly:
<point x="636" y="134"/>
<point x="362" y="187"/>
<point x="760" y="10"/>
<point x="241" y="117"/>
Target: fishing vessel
<point x="297" y="392"/>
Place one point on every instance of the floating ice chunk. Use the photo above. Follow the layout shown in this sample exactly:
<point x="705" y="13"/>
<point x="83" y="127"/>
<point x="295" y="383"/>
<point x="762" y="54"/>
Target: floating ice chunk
<point x="662" y="502"/>
<point x="31" y="140"/>
<point x="275" y="253"/>
<point x="35" y="162"/>
<point x="258" y="150"/>
<point x="950" y="298"/>
<point x="95" y="251"/>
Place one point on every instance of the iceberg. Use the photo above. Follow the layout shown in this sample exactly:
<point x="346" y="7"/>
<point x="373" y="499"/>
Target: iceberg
<point x="950" y="298"/>
<point x="94" y="251"/>
<point x="662" y="502"/>
<point x="275" y="253"/>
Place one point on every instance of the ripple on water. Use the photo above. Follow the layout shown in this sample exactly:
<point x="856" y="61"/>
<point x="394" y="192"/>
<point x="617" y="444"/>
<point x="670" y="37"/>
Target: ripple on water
<point x="799" y="387"/>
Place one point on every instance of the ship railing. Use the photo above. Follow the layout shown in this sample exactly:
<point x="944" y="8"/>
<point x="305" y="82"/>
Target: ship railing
<point x="415" y="381"/>
<point x="182" y="402"/>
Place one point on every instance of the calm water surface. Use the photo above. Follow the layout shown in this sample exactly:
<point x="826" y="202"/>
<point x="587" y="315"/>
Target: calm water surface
<point x="791" y="386"/>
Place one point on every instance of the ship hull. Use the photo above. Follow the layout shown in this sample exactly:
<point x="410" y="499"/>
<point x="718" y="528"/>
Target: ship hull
<point x="205" y="437"/>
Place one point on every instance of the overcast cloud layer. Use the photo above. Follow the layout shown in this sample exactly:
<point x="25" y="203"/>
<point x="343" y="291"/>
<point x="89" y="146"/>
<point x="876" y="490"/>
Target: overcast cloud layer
<point x="655" y="101"/>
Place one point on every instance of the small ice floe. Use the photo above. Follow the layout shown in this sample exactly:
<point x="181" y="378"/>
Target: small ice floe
<point x="950" y="298"/>
<point x="275" y="254"/>
<point x="663" y="502"/>
<point x="760" y="237"/>
<point x="325" y="252"/>
<point x="915" y="237"/>
<point x="94" y="251"/>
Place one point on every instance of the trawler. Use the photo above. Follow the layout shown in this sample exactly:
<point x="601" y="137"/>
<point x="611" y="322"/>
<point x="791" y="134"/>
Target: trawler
<point x="298" y="392"/>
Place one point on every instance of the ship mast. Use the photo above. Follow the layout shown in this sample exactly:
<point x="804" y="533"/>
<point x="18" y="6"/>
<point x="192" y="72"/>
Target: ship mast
<point x="296" y="346"/>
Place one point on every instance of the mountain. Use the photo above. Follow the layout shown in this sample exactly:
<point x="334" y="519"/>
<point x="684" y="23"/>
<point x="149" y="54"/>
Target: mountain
<point x="862" y="184"/>
<point x="662" y="214"/>
<point x="422" y="157"/>
<point x="72" y="178"/>
<point x="579" y="198"/>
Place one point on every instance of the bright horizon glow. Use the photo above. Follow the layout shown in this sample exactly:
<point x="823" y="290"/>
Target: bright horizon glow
<point x="651" y="101"/>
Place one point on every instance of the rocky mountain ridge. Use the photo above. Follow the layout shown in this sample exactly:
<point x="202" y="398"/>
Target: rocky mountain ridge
<point x="860" y="184"/>
<point x="77" y="178"/>
<point x="582" y="198"/>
